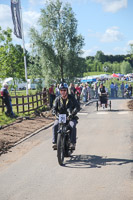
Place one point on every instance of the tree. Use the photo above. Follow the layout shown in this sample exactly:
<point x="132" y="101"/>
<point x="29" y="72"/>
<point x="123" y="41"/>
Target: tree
<point x="126" y="67"/>
<point x="100" y="56"/>
<point x="11" y="57"/>
<point x="57" y="42"/>
<point x="129" y="57"/>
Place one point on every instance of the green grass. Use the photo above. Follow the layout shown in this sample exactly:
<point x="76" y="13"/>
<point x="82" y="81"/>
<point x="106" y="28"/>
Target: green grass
<point x="94" y="73"/>
<point x="5" y="120"/>
<point x="22" y="92"/>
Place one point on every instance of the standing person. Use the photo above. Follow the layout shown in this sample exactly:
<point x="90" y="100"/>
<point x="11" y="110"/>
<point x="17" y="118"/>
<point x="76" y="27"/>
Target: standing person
<point x="116" y="90"/>
<point x="122" y="90"/>
<point x="130" y="89"/>
<point x="57" y="91"/>
<point x="52" y="95"/>
<point x="112" y="87"/>
<point x="81" y="87"/>
<point x="71" y="89"/>
<point x="62" y="104"/>
<point x="77" y="92"/>
<point x="85" y="93"/>
<point x="96" y="90"/>
<point x="126" y="86"/>
<point x="7" y="100"/>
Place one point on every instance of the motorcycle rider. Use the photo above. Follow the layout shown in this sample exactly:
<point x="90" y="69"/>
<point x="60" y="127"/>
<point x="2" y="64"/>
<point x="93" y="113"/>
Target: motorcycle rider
<point x="63" y="104"/>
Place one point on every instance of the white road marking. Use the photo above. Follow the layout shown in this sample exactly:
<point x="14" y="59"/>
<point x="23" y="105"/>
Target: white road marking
<point x="119" y="113"/>
<point x="123" y="113"/>
<point x="102" y="113"/>
<point x="82" y="113"/>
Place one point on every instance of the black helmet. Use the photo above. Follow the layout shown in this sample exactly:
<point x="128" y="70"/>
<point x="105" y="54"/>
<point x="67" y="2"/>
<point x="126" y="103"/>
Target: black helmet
<point x="63" y="86"/>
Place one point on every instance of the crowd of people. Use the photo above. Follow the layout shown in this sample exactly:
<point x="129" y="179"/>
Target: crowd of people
<point x="82" y="92"/>
<point x="86" y="91"/>
<point x="79" y="91"/>
<point x="125" y="89"/>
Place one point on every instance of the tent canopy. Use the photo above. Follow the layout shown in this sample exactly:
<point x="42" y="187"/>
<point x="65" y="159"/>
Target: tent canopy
<point x="115" y="75"/>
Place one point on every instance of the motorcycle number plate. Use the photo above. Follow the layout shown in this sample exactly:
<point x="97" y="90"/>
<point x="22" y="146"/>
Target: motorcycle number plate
<point x="62" y="118"/>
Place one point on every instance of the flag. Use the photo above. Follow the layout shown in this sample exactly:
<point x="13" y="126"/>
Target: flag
<point x="16" y="18"/>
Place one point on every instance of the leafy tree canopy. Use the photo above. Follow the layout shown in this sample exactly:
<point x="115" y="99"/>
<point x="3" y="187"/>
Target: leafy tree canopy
<point x="57" y="42"/>
<point x="11" y="57"/>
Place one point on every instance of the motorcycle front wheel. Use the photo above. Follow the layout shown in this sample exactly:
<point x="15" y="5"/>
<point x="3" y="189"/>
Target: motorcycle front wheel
<point x="60" y="148"/>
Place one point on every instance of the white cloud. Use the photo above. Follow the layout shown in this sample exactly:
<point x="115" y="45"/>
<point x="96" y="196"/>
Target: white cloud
<point x="89" y="52"/>
<point x="5" y="16"/>
<point x="130" y="42"/>
<point x="112" y="5"/>
<point x="112" y="35"/>
<point x="91" y="33"/>
<point x="120" y="50"/>
<point x="30" y="18"/>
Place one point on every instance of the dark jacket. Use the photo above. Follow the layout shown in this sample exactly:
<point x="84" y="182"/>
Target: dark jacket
<point x="61" y="106"/>
<point x="102" y="90"/>
<point x="5" y="95"/>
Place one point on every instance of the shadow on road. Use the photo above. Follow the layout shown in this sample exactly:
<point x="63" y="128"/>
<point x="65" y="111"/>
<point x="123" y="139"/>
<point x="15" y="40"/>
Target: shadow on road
<point x="93" y="161"/>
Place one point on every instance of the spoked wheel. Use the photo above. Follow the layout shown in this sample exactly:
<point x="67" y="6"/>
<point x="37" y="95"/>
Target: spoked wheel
<point x="60" y="149"/>
<point x="97" y="105"/>
<point x="110" y="105"/>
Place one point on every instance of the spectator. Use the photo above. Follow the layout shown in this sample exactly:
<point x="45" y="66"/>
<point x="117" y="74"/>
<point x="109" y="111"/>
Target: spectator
<point x="122" y="90"/>
<point x="77" y="92"/>
<point x="85" y="93"/>
<point x="52" y="95"/>
<point x="71" y="89"/>
<point x="57" y="91"/>
<point x="96" y="90"/>
<point x="130" y="89"/>
<point x="116" y="90"/>
<point x="7" y="100"/>
<point x="81" y="87"/>
<point x="126" y="86"/>
<point x="112" y="87"/>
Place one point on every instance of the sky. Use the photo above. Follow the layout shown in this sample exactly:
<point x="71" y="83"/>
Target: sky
<point x="106" y="25"/>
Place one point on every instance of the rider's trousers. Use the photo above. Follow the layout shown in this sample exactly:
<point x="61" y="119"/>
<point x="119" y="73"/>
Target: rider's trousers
<point x="72" y="125"/>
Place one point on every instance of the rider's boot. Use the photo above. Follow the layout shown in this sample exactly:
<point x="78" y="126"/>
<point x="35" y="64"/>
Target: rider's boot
<point x="72" y="146"/>
<point x="54" y="146"/>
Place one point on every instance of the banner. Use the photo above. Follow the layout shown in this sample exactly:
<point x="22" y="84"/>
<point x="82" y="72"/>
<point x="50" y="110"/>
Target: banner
<point x="16" y="18"/>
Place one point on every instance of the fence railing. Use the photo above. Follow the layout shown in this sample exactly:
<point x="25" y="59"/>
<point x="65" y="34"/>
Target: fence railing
<point x="22" y="104"/>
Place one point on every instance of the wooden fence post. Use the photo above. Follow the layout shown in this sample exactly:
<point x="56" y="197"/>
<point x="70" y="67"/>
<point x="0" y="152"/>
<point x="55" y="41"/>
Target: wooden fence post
<point x="23" y="103"/>
<point x="28" y="103"/>
<point x="37" y="99"/>
<point x="44" y="96"/>
<point x="32" y="101"/>
<point x="48" y="98"/>
<point x="41" y="99"/>
<point x="17" y="104"/>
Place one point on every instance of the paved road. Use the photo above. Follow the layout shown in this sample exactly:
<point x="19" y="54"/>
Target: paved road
<point x="101" y="168"/>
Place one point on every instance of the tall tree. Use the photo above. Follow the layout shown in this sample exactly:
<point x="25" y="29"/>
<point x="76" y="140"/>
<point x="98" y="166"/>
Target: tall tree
<point x="57" y="42"/>
<point x="11" y="57"/>
<point x="100" y="56"/>
<point x="126" y="67"/>
<point x="129" y="58"/>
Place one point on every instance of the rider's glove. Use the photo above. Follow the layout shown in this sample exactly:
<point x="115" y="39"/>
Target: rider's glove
<point x="74" y="112"/>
